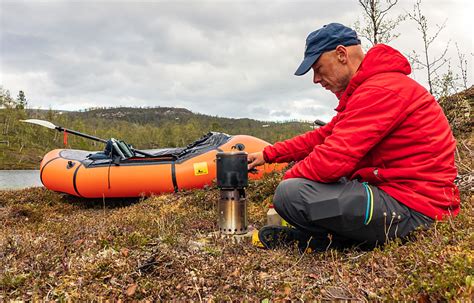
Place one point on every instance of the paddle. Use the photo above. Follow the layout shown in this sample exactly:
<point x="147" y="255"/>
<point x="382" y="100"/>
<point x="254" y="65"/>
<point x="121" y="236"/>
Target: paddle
<point x="70" y="131"/>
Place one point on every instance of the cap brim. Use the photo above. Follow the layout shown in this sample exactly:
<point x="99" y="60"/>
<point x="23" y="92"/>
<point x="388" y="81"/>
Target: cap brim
<point x="306" y="64"/>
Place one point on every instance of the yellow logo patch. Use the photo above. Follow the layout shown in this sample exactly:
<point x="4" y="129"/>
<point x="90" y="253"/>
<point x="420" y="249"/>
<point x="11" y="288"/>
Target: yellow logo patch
<point x="200" y="168"/>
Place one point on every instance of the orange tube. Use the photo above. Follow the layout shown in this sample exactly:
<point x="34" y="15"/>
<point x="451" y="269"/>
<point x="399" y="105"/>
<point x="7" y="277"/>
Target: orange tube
<point x="74" y="176"/>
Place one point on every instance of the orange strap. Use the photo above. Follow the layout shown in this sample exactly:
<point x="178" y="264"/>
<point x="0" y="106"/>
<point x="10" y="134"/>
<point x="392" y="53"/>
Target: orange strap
<point x="65" y="138"/>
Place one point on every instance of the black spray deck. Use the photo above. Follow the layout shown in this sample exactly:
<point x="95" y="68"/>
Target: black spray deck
<point x="210" y="141"/>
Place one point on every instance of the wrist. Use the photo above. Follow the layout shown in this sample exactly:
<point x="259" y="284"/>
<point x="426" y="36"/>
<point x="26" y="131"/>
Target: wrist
<point x="265" y="156"/>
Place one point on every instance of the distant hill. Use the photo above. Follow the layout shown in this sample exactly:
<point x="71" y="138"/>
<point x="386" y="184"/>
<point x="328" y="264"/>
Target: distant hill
<point x="172" y="118"/>
<point x="153" y="115"/>
<point x="160" y="116"/>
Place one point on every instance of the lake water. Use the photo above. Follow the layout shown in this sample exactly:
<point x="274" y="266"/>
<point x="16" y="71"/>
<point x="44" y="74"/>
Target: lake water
<point x="17" y="179"/>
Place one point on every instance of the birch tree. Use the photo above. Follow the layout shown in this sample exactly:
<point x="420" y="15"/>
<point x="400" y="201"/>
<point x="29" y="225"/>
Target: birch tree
<point x="378" y="28"/>
<point x="432" y="64"/>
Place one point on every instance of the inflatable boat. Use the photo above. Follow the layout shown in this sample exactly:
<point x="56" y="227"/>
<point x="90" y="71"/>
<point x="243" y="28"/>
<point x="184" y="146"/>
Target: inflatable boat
<point x="127" y="174"/>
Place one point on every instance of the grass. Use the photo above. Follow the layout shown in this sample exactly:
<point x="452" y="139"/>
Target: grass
<point x="56" y="247"/>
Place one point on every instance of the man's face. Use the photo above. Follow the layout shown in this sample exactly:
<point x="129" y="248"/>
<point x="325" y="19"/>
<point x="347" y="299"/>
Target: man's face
<point x="331" y="71"/>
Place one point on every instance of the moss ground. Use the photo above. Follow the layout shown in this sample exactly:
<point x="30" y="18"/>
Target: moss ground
<point x="53" y="246"/>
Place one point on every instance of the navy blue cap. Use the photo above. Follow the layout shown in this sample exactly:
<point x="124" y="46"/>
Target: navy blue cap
<point x="323" y="40"/>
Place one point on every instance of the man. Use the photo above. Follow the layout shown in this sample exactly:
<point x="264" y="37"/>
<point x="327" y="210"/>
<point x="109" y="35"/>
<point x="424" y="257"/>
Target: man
<point x="382" y="167"/>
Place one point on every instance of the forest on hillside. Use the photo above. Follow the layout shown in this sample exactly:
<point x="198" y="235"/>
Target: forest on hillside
<point x="23" y="145"/>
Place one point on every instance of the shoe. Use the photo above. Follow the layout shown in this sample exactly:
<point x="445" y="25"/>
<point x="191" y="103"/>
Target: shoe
<point x="276" y="236"/>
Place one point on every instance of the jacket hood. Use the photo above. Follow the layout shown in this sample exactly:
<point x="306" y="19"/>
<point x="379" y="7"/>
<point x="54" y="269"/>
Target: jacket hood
<point x="379" y="59"/>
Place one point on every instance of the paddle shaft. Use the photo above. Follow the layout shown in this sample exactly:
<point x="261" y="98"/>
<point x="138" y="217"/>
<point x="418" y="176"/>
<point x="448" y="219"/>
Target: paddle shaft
<point x="70" y="131"/>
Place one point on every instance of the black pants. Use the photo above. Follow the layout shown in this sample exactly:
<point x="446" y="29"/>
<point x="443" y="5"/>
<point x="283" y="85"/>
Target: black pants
<point x="345" y="213"/>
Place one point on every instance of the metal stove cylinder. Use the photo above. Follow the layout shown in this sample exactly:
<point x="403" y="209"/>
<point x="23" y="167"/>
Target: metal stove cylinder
<point x="232" y="210"/>
<point x="232" y="178"/>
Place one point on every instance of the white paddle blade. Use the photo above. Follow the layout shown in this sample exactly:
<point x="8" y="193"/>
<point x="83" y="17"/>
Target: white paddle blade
<point x="40" y="122"/>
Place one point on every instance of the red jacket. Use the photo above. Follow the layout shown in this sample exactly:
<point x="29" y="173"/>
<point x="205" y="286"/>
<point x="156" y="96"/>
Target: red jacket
<point x="389" y="131"/>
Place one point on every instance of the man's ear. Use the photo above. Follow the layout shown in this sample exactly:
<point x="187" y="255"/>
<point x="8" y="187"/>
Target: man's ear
<point x="342" y="54"/>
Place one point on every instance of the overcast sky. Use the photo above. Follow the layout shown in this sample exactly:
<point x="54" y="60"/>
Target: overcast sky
<point x="224" y="58"/>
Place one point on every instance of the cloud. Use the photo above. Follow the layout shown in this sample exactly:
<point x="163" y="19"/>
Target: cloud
<point x="226" y="58"/>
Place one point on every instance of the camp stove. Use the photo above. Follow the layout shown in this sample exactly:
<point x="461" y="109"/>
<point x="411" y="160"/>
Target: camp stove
<point x="232" y="178"/>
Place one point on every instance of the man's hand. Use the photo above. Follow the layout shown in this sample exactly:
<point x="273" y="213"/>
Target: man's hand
<point x="255" y="159"/>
